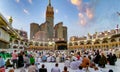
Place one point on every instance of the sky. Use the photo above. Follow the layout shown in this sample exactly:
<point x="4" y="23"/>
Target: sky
<point x="80" y="16"/>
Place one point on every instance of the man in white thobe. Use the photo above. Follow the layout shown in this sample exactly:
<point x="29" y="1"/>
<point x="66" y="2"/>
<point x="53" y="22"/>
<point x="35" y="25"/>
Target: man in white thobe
<point x="74" y="65"/>
<point x="56" y="68"/>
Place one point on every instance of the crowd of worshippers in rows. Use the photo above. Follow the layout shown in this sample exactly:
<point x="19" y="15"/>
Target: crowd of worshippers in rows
<point x="76" y="60"/>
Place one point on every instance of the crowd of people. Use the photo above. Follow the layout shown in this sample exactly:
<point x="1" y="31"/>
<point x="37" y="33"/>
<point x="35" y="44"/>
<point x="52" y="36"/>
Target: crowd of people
<point x="90" y="60"/>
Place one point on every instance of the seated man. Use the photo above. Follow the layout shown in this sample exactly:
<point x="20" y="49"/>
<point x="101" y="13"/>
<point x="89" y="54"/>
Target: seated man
<point x="32" y="68"/>
<point x="42" y="69"/>
<point x="67" y="63"/>
<point x="56" y="68"/>
<point x="8" y="64"/>
<point x="74" y="65"/>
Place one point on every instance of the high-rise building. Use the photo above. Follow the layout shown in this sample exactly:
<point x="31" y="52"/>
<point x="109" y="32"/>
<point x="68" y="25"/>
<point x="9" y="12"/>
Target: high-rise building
<point x="51" y="32"/>
<point x="50" y="20"/>
<point x="59" y="30"/>
<point x="34" y="28"/>
<point x="65" y="33"/>
<point x="50" y="14"/>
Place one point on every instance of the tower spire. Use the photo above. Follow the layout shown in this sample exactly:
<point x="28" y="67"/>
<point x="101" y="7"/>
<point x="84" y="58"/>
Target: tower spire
<point x="49" y="2"/>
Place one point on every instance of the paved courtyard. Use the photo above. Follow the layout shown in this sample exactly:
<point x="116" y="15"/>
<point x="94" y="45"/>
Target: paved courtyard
<point x="115" y="68"/>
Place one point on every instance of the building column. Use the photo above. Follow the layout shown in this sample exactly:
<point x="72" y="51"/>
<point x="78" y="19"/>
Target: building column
<point x="19" y="44"/>
<point x="12" y="44"/>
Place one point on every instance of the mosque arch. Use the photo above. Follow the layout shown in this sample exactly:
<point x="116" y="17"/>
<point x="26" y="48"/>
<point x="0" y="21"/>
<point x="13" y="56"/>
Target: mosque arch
<point x="31" y="43"/>
<point x="82" y="43"/>
<point x="97" y="41"/>
<point x="16" y="42"/>
<point x="75" y="43"/>
<point x="70" y="44"/>
<point x="26" y="43"/>
<point x="36" y="43"/>
<point x="113" y="40"/>
<point x="89" y="42"/>
<point x="21" y="42"/>
<point x="15" y="46"/>
<point x="21" y="47"/>
<point x="46" y="44"/>
<point x="105" y="40"/>
<point x="41" y="44"/>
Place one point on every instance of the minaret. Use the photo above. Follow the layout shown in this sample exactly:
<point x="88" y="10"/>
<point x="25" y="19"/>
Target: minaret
<point x="50" y="20"/>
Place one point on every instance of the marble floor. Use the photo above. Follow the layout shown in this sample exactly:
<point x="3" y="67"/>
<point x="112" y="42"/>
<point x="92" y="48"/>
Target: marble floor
<point x="115" y="68"/>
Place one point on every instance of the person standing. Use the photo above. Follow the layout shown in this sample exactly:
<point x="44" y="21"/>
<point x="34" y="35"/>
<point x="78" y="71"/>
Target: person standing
<point x="114" y="59"/>
<point x="32" y="60"/>
<point x="2" y="64"/>
<point x="103" y="61"/>
<point x="20" y="60"/>
<point x="14" y="59"/>
<point x="26" y="61"/>
<point x="57" y="59"/>
<point x="56" y="68"/>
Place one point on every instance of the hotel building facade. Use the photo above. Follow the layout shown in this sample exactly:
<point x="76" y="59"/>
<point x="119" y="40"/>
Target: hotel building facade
<point x="103" y="40"/>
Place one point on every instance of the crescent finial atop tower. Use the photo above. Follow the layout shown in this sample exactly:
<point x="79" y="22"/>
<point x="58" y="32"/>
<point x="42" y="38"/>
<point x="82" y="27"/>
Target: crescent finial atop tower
<point x="49" y="2"/>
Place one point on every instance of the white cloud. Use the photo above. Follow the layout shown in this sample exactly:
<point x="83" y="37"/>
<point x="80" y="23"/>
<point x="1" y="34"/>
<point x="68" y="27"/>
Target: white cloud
<point x="26" y="11"/>
<point x="82" y="19"/>
<point x="30" y="1"/>
<point x="80" y="15"/>
<point x="89" y="13"/>
<point x="17" y="1"/>
<point x="76" y="2"/>
<point x="86" y="11"/>
<point x="56" y="11"/>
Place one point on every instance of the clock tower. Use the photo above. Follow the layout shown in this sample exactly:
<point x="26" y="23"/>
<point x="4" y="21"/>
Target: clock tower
<point x="50" y="20"/>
